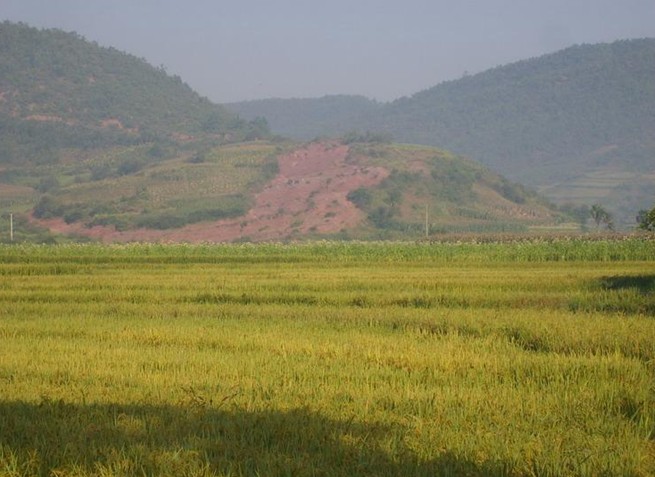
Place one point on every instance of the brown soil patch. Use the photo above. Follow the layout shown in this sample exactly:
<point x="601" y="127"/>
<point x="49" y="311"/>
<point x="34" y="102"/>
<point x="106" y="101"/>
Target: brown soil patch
<point x="116" y="123"/>
<point x="308" y="195"/>
<point x="180" y="137"/>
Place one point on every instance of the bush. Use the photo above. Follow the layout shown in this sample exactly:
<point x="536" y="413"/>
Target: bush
<point x="360" y="197"/>
<point x="646" y="220"/>
<point x="47" y="184"/>
<point x="47" y="208"/>
<point x="227" y="207"/>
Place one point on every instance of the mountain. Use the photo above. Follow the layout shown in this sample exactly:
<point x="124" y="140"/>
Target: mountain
<point x="60" y="91"/>
<point x="96" y="144"/>
<point x="576" y="124"/>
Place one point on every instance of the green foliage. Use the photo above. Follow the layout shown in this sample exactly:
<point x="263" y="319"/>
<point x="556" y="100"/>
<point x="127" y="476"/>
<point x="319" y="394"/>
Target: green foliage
<point x="60" y="91"/>
<point x="47" y="208"/>
<point x="453" y="180"/>
<point x="513" y="191"/>
<point x="257" y="129"/>
<point x="601" y="216"/>
<point x="580" y="213"/>
<point x="223" y="208"/>
<point x="47" y="184"/>
<point x="381" y="217"/>
<point x="360" y="197"/>
<point x="646" y="220"/>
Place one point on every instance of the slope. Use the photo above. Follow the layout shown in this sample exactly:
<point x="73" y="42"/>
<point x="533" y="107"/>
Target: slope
<point x="59" y="91"/>
<point x="282" y="191"/>
<point x="558" y="122"/>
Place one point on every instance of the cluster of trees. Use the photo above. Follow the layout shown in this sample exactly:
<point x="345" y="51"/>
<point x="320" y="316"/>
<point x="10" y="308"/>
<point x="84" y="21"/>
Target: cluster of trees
<point x="601" y="217"/>
<point x="646" y="219"/>
<point x="40" y="142"/>
<point x="222" y="208"/>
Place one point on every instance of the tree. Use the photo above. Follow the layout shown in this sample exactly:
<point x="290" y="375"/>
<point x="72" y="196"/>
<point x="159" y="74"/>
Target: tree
<point x="646" y="220"/>
<point x="601" y="216"/>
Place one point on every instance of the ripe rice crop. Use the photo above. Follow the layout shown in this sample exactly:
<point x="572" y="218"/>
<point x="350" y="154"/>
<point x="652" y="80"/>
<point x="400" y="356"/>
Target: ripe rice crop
<point x="526" y="358"/>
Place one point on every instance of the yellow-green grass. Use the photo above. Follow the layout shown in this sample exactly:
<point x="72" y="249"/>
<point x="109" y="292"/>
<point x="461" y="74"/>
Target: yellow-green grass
<point x="328" y="359"/>
<point x="224" y="170"/>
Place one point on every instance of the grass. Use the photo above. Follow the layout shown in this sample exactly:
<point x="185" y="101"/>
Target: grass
<point x="139" y="189"/>
<point x="328" y="359"/>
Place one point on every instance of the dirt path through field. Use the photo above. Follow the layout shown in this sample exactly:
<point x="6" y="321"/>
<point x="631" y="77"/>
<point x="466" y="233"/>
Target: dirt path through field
<point x="308" y="195"/>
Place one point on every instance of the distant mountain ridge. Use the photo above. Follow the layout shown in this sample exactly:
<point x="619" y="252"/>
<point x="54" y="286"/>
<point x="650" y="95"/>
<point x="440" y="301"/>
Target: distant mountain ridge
<point x="305" y="119"/>
<point x="578" y="124"/>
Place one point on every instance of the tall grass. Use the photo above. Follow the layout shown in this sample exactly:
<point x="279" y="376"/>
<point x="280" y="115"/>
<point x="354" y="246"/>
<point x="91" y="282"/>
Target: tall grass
<point x="628" y="248"/>
<point x="327" y="359"/>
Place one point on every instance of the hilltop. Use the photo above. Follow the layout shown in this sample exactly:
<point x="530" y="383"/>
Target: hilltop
<point x="59" y="91"/>
<point x="576" y="124"/>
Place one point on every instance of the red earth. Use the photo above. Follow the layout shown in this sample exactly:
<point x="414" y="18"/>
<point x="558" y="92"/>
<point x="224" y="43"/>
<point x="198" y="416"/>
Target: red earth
<point x="308" y="196"/>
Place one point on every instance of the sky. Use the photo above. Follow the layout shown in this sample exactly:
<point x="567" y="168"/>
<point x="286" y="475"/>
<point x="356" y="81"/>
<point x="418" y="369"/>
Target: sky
<point x="233" y="50"/>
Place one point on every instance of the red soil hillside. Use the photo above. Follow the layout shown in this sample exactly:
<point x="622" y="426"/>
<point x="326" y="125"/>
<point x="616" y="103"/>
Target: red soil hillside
<point x="308" y="195"/>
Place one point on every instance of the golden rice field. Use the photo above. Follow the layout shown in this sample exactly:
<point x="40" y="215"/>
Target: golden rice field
<point x="328" y="359"/>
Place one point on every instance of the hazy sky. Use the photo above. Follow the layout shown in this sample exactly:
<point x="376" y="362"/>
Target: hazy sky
<point x="231" y="50"/>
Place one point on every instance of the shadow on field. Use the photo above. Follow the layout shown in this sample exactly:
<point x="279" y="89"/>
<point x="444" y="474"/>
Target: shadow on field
<point x="642" y="283"/>
<point x="621" y="293"/>
<point x="56" y="438"/>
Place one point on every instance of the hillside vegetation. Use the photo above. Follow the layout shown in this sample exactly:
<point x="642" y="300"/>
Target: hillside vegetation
<point x="97" y="144"/>
<point x="59" y="91"/>
<point x="576" y="124"/>
<point x="263" y="190"/>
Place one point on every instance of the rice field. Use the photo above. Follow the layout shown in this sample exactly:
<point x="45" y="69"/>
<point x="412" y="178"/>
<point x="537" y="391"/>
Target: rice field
<point x="534" y="358"/>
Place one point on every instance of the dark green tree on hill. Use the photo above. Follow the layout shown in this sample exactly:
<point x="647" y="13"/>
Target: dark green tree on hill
<point x="601" y="217"/>
<point x="646" y="220"/>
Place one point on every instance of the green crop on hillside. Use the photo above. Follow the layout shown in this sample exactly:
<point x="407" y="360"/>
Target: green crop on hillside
<point x="526" y="358"/>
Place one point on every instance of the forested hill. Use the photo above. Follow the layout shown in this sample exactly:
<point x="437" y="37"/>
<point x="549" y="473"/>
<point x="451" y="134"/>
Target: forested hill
<point x="544" y="118"/>
<point x="59" y="90"/>
<point x="577" y="124"/>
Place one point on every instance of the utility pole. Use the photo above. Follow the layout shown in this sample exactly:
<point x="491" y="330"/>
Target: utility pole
<point x="427" y="222"/>
<point x="11" y="227"/>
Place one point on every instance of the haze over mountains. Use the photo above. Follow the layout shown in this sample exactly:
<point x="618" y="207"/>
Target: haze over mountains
<point x="578" y="124"/>
<point x="98" y="143"/>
